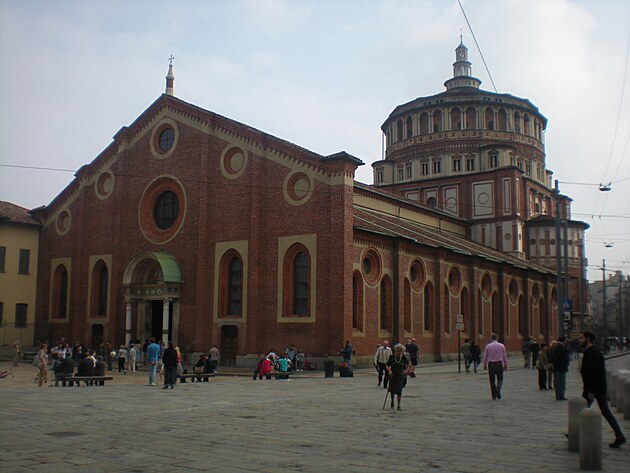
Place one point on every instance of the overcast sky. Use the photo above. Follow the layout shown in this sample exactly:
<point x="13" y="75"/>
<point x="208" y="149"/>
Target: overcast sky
<point x="75" y="72"/>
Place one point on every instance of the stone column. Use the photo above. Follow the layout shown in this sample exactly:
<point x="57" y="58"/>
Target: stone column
<point x="128" y="315"/>
<point x="165" y="321"/>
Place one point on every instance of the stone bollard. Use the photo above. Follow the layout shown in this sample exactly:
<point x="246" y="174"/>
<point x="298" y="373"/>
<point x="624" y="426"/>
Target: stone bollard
<point x="576" y="406"/>
<point x="626" y="400"/>
<point x="608" y="383"/>
<point x="612" y="389"/>
<point x="590" y="439"/>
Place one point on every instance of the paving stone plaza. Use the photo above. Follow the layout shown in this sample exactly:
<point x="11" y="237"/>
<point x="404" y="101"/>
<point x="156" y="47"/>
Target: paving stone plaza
<point x="448" y="423"/>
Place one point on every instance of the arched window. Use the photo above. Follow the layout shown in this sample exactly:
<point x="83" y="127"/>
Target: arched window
<point x="357" y="301"/>
<point x="99" y="290"/>
<point x="517" y="122"/>
<point x="407" y="307"/>
<point x="409" y="123"/>
<point x="437" y="121"/>
<point x="522" y="320"/>
<point x="489" y="118"/>
<point x="297" y="277"/>
<point x="456" y="119"/>
<point x="424" y="123"/>
<point x="428" y="307"/>
<point x="471" y="118"/>
<point x="465" y="311"/>
<point x="432" y="202"/>
<point x="231" y="285"/>
<point x="496" y="314"/>
<point x="60" y="293"/>
<point x="399" y="130"/>
<point x="502" y="120"/>
<point x="526" y="125"/>
<point x="386" y="304"/>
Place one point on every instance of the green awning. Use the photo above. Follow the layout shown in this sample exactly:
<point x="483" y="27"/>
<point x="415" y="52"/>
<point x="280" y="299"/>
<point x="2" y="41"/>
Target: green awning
<point x="170" y="268"/>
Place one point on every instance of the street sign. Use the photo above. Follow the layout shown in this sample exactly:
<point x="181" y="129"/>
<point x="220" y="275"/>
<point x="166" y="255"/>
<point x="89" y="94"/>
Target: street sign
<point x="567" y="315"/>
<point x="459" y="318"/>
<point x="567" y="304"/>
<point x="459" y="326"/>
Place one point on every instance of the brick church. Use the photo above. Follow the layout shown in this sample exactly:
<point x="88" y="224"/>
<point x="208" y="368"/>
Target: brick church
<point x="195" y="228"/>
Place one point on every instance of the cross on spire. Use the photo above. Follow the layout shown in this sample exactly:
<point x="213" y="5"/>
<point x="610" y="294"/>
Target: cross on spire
<point x="170" y="60"/>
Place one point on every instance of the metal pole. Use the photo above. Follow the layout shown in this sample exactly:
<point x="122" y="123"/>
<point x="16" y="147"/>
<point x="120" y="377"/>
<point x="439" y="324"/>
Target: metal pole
<point x="605" y="323"/>
<point x="560" y="289"/>
<point x="459" y="351"/>
<point x="619" y="316"/>
<point x="566" y="279"/>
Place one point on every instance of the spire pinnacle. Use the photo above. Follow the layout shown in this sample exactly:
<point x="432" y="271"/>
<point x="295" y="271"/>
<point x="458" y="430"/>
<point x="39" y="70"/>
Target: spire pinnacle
<point x="170" y="78"/>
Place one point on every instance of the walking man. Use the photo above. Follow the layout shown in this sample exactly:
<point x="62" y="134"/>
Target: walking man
<point x="594" y="378"/>
<point x="381" y="357"/>
<point x="214" y="358"/>
<point x="467" y="355"/>
<point x="17" y="356"/>
<point x="169" y="359"/>
<point x="413" y="350"/>
<point x="495" y="361"/>
<point x="560" y="363"/>
<point x="152" y="355"/>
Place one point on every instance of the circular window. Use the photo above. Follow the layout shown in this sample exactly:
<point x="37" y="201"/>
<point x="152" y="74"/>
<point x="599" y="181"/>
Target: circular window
<point x="371" y="264"/>
<point x="432" y="202"/>
<point x="486" y="286"/>
<point x="298" y="188"/>
<point x="552" y="241"/>
<point x="63" y="222"/>
<point x="164" y="139"/>
<point x="513" y="291"/>
<point x="166" y="210"/>
<point x="532" y="241"/>
<point x="454" y="280"/>
<point x="104" y="185"/>
<point x="162" y="209"/>
<point x="233" y="162"/>
<point x="417" y="274"/>
<point x="167" y="139"/>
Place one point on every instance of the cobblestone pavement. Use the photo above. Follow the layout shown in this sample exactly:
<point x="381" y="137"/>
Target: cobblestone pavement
<point x="307" y="424"/>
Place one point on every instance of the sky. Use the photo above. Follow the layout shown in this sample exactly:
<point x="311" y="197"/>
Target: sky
<point x="323" y="74"/>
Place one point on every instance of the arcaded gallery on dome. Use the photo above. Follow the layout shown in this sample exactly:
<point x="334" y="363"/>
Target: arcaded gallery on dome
<point x="195" y="228"/>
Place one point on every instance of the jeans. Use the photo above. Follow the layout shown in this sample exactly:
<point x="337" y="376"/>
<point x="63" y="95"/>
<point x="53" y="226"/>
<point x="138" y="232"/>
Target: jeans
<point x="606" y="412"/>
<point x="152" y="368"/>
<point x="495" y="370"/>
<point x="550" y="379"/>
<point x="542" y="379"/>
<point x="382" y="373"/>
<point x="561" y="384"/>
<point x="467" y="363"/>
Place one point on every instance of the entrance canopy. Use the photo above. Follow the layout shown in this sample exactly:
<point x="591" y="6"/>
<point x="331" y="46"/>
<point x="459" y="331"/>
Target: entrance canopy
<point x="152" y="275"/>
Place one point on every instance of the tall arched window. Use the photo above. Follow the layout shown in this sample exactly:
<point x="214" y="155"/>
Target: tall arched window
<point x="496" y="314"/>
<point x="471" y="118"/>
<point x="456" y="119"/>
<point x="465" y="310"/>
<point x="407" y="307"/>
<point x="231" y="285"/>
<point x="409" y="123"/>
<point x="103" y="282"/>
<point x="437" y="121"/>
<point x="357" y="301"/>
<point x="297" y="278"/>
<point x="60" y="293"/>
<point x="386" y="304"/>
<point x="424" y="123"/>
<point x="517" y="122"/>
<point x="428" y="306"/>
<point x="502" y="120"/>
<point x="399" y="130"/>
<point x="489" y="118"/>
<point x="522" y="320"/>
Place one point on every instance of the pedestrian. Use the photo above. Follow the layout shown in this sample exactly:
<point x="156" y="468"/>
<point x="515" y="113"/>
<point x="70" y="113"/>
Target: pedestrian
<point x="346" y="353"/>
<point x="258" y="372"/>
<point x="290" y="352"/>
<point x="42" y="359"/>
<point x="215" y="357"/>
<point x="63" y="370"/>
<point x="180" y="367"/>
<point x="381" y="357"/>
<point x="200" y="366"/>
<point x="526" y="352"/>
<point x="534" y="349"/>
<point x="110" y="349"/>
<point x="299" y="360"/>
<point x="17" y="355"/>
<point x="152" y="354"/>
<point x="397" y="370"/>
<point x="122" y="359"/>
<point x="413" y="350"/>
<point x="593" y="372"/>
<point x="560" y="361"/>
<point x="542" y="365"/>
<point x="475" y="354"/>
<point x="467" y="354"/>
<point x="99" y="369"/>
<point x="495" y="361"/>
<point x="169" y="361"/>
<point x="160" y="362"/>
<point x="132" y="358"/>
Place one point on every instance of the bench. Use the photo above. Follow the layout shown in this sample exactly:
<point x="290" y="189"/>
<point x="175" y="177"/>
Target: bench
<point x="193" y="376"/>
<point x="97" y="380"/>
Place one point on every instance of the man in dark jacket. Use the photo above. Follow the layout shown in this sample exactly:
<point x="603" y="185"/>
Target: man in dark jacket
<point x="169" y="359"/>
<point x="64" y="369"/>
<point x="560" y="362"/>
<point x="594" y="378"/>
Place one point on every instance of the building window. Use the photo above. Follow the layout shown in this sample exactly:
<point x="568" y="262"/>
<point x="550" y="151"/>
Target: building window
<point x="386" y="304"/>
<point x="357" y="301"/>
<point x="409" y="127"/>
<point x="167" y="138"/>
<point x="1" y="314"/>
<point x="297" y="282"/>
<point x="409" y="174"/>
<point x="528" y="169"/>
<point x="20" y="315"/>
<point x="493" y="161"/>
<point x="379" y="175"/>
<point x="457" y="165"/>
<point x="401" y="174"/>
<point x="166" y="210"/>
<point x="425" y="169"/>
<point x="101" y="280"/>
<point x="436" y="167"/>
<point x="235" y="286"/>
<point x="60" y="293"/>
<point x="428" y="306"/>
<point x="23" y="262"/>
<point x="538" y="173"/>
<point x="520" y="165"/>
<point x="399" y="130"/>
<point x="3" y="254"/>
<point x="432" y="202"/>
<point x="470" y="164"/>
<point x="407" y="306"/>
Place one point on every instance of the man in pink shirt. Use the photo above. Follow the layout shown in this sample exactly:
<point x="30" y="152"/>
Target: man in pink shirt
<point x="495" y="361"/>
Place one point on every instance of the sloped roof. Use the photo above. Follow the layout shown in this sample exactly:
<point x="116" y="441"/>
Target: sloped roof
<point x="383" y="224"/>
<point x="11" y="213"/>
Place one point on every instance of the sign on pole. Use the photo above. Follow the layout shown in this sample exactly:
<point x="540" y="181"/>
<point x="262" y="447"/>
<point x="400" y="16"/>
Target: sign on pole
<point x="459" y="326"/>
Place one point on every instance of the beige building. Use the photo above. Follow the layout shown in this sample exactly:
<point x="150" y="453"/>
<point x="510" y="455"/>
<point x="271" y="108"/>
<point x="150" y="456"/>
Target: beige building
<point x="19" y="239"/>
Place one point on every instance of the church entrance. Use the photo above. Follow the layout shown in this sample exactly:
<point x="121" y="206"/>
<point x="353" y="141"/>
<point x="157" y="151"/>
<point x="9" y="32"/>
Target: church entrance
<point x="229" y="344"/>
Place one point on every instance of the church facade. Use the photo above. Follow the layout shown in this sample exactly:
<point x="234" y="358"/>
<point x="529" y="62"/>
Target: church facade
<point x="195" y="228"/>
